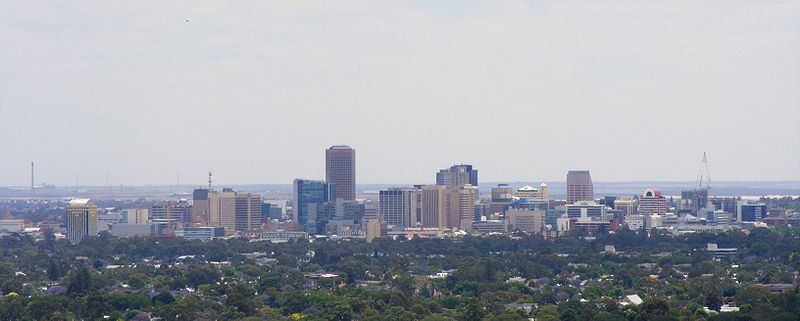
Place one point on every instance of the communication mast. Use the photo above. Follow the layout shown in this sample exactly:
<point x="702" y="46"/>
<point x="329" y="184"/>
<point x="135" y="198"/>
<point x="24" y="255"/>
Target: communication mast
<point x="209" y="181"/>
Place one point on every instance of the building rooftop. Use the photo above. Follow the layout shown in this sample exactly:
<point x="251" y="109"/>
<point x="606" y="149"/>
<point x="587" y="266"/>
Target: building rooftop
<point x="80" y="201"/>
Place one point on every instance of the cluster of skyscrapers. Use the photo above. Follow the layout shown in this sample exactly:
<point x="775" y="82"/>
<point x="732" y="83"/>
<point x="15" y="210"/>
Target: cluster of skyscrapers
<point x="451" y="205"/>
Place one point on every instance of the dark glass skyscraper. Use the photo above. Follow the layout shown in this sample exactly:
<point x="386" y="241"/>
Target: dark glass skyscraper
<point x="340" y="170"/>
<point x="309" y="196"/>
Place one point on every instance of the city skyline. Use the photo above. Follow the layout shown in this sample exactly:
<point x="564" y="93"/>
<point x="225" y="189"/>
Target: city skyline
<point x="626" y="90"/>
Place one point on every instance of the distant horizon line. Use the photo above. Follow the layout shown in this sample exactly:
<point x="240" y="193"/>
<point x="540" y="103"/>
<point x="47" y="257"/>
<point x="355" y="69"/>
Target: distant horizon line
<point x="411" y="184"/>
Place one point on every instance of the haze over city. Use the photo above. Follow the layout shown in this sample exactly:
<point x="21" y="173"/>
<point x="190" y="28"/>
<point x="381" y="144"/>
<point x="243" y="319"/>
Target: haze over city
<point x="523" y="90"/>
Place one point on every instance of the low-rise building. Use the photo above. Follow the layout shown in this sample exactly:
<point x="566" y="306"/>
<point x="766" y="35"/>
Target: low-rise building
<point x="203" y="233"/>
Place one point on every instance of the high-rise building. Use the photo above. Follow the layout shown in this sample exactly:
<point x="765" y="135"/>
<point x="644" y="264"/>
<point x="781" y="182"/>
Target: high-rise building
<point x="652" y="202"/>
<point x="138" y="216"/>
<point x="200" y="207"/>
<point x="222" y="209"/>
<point x="340" y="170"/>
<point x="81" y="220"/>
<point x="467" y="194"/>
<point x="397" y="206"/>
<point x="457" y="175"/>
<point x="447" y="207"/>
<point x="309" y="197"/>
<point x="180" y="211"/>
<point x="579" y="186"/>
<point x="340" y="217"/>
<point x="248" y="211"/>
<point x="438" y="205"/>
<point x="694" y="200"/>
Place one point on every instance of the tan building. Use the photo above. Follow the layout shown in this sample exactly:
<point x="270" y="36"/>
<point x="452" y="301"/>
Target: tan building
<point x="531" y="221"/>
<point x="138" y="215"/>
<point x="248" y="211"/>
<point x="530" y="192"/>
<point x="447" y="207"/>
<point x="222" y="210"/>
<point x="375" y="229"/>
<point x="81" y="220"/>
<point x="467" y="195"/>
<point x="436" y="204"/>
<point x="235" y="211"/>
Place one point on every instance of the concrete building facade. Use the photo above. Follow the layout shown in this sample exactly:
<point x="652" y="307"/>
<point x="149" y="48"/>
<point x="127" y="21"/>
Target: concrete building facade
<point x="340" y="170"/>
<point x="579" y="186"/>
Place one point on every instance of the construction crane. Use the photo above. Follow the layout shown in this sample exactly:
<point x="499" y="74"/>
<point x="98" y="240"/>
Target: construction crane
<point x="704" y="173"/>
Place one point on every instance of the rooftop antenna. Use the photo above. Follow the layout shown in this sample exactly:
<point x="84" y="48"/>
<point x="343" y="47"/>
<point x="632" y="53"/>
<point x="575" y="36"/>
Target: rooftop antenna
<point x="209" y="181"/>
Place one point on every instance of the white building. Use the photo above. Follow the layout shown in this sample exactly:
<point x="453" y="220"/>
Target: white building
<point x="652" y="202"/>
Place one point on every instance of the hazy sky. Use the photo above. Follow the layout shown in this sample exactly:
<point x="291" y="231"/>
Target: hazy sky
<point x="524" y="90"/>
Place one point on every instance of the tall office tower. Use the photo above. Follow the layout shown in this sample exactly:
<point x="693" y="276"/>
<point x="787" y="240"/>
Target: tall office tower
<point x="467" y="194"/>
<point x="652" y="202"/>
<point x="138" y="215"/>
<point x="81" y="220"/>
<point x="579" y="186"/>
<point x="397" y="206"/>
<point x="694" y="200"/>
<point x="200" y="207"/>
<point x="222" y="209"/>
<point x="457" y="175"/>
<point x="440" y="206"/>
<point x="340" y="170"/>
<point x="248" y="211"/>
<point x="434" y="206"/>
<point x="309" y="196"/>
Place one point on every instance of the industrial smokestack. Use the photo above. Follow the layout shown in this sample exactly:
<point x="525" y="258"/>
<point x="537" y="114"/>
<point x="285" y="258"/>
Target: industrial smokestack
<point x="31" y="175"/>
